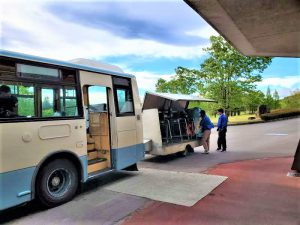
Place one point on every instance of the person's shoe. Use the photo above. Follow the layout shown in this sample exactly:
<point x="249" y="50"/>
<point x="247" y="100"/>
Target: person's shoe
<point x="205" y="152"/>
<point x="218" y="149"/>
<point x="223" y="150"/>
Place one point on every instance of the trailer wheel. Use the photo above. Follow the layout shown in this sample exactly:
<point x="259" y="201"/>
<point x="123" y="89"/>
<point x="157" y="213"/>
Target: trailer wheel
<point x="189" y="148"/>
<point x="182" y="153"/>
<point x="57" y="183"/>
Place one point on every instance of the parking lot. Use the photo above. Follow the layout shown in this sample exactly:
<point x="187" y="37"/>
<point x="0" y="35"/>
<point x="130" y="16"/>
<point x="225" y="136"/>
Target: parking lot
<point x="276" y="140"/>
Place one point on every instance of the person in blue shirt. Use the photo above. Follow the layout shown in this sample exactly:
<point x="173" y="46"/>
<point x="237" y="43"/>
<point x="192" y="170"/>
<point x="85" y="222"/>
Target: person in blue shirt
<point x="206" y="125"/>
<point x="222" y="129"/>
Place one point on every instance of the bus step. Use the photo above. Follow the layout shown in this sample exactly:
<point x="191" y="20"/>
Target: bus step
<point x="90" y="140"/>
<point x="90" y="147"/>
<point x="97" y="164"/>
<point x="93" y="154"/>
<point x="97" y="160"/>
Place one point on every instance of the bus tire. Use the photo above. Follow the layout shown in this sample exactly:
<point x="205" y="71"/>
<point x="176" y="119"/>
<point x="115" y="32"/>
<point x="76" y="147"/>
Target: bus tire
<point x="57" y="182"/>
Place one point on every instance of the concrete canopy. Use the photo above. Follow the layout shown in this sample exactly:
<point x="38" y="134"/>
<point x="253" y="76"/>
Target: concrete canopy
<point x="255" y="27"/>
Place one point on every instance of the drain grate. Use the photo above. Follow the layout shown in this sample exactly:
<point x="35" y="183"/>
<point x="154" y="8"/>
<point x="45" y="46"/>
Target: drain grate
<point x="293" y="174"/>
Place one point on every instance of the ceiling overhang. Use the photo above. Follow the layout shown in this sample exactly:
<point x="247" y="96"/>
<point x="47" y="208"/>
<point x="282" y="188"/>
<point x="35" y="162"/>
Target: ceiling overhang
<point x="255" y="27"/>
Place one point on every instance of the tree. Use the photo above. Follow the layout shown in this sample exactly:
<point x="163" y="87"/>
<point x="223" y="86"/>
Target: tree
<point x="269" y="101"/>
<point x="251" y="100"/>
<point x="229" y="74"/>
<point x="225" y="75"/>
<point x="185" y="81"/>
<point x="292" y="101"/>
<point x="276" y="99"/>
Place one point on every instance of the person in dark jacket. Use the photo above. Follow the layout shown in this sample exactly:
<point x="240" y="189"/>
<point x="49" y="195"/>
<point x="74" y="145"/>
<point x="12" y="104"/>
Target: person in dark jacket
<point x="206" y="125"/>
<point x="8" y="102"/>
<point x="222" y="129"/>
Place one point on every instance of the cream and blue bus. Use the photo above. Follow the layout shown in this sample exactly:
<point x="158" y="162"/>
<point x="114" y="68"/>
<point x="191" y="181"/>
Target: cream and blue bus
<point x="62" y="124"/>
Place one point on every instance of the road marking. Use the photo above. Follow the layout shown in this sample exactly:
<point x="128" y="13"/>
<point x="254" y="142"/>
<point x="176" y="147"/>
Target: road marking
<point x="274" y="134"/>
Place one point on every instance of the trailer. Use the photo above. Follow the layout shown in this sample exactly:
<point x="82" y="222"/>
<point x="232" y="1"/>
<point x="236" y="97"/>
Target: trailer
<point x="169" y="126"/>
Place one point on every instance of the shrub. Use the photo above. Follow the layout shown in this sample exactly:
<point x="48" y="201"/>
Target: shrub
<point x="280" y="113"/>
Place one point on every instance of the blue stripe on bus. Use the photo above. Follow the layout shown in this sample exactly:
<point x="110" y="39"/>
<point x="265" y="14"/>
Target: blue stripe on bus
<point x="15" y="187"/>
<point x="84" y="164"/>
<point x="127" y="156"/>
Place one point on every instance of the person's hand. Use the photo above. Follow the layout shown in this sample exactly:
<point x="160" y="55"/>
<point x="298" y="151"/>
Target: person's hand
<point x="10" y="114"/>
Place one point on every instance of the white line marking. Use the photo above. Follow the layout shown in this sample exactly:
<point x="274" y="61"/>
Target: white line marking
<point x="274" y="134"/>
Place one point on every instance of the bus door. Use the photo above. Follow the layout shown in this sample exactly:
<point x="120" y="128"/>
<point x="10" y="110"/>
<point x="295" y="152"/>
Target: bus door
<point x="97" y="102"/>
<point x="127" y="151"/>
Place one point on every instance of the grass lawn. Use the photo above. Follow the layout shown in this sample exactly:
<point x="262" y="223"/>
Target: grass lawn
<point x="243" y="118"/>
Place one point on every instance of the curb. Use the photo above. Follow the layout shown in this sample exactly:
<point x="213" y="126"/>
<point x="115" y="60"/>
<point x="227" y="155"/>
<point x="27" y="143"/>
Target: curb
<point x="262" y="121"/>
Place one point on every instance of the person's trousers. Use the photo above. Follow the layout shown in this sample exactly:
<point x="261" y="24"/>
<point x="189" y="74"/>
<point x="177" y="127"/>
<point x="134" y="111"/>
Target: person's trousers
<point x="205" y="140"/>
<point x="222" y="139"/>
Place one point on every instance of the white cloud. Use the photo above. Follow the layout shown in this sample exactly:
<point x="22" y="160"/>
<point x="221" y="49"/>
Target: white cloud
<point x="54" y="38"/>
<point x="146" y="80"/>
<point x="284" y="85"/>
<point x="283" y="82"/>
<point x="204" y="32"/>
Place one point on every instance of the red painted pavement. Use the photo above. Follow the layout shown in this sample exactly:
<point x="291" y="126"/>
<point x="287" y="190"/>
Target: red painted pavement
<point x="256" y="192"/>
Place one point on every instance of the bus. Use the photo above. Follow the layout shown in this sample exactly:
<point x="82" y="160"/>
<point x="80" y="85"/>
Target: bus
<point x="62" y="124"/>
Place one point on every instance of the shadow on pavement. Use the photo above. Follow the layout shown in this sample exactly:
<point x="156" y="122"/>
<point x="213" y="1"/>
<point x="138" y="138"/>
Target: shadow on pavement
<point x="34" y="206"/>
<point x="164" y="158"/>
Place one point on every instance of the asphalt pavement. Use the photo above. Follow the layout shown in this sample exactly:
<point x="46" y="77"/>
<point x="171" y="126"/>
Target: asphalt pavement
<point x="244" y="142"/>
<point x="95" y="205"/>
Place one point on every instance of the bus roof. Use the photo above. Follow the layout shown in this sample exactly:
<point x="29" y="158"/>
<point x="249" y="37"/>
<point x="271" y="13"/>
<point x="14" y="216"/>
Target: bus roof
<point x="16" y="55"/>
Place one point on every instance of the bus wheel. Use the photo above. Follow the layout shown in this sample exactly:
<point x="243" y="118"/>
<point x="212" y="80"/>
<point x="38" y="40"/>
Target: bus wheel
<point x="57" y="182"/>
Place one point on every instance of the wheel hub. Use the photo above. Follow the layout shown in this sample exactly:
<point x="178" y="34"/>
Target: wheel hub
<point x="55" y="181"/>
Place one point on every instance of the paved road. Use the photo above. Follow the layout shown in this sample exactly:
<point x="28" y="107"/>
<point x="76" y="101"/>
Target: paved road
<point x="263" y="140"/>
<point x="98" y="206"/>
<point x="256" y="192"/>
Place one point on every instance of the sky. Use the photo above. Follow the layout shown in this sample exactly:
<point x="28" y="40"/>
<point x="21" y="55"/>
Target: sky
<point x="146" y="38"/>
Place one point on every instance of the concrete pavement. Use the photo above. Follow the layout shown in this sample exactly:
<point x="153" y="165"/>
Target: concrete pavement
<point x="98" y="206"/>
<point x="255" y="141"/>
<point x="256" y="192"/>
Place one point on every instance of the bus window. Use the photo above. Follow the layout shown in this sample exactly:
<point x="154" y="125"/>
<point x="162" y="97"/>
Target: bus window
<point x="25" y="96"/>
<point x="68" y="101"/>
<point x="37" y="72"/>
<point x="123" y="96"/>
<point x="23" y="101"/>
<point x="48" y="110"/>
<point x="125" y="104"/>
<point x="97" y="98"/>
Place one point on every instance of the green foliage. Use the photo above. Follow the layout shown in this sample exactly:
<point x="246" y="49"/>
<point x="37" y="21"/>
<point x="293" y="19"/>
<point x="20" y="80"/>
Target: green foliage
<point x="185" y="81"/>
<point x="26" y="106"/>
<point x="276" y="99"/>
<point x="26" y="101"/>
<point x="252" y="99"/>
<point x="280" y="113"/>
<point x="269" y="101"/>
<point x="226" y="76"/>
<point x="210" y="108"/>
<point x="230" y="75"/>
<point x="47" y="112"/>
<point x="291" y="102"/>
